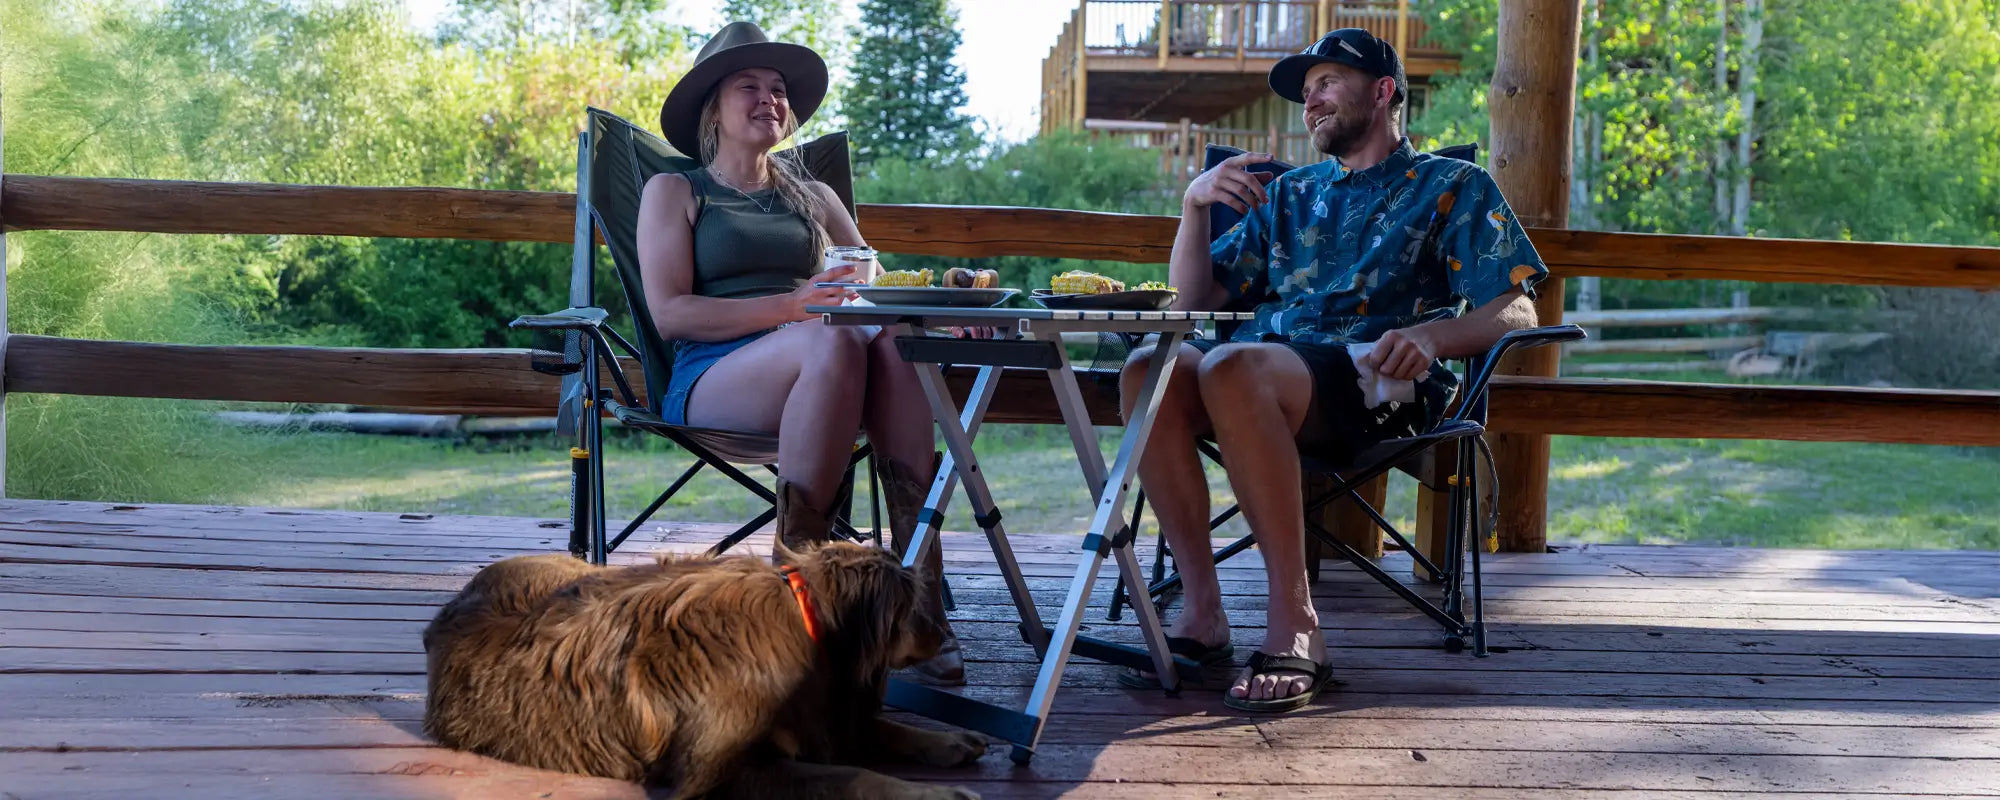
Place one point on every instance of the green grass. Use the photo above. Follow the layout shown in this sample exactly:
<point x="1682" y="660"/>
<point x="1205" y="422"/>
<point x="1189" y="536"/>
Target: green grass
<point x="1750" y="493"/>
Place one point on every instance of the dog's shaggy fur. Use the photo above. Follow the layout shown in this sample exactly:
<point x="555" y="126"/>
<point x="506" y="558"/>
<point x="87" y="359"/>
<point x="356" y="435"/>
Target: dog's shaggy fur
<point x="691" y="674"/>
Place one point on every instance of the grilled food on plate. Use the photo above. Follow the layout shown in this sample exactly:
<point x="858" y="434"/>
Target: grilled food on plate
<point x="1155" y="286"/>
<point x="903" y="277"/>
<point x="1080" y="282"/>
<point x="962" y="278"/>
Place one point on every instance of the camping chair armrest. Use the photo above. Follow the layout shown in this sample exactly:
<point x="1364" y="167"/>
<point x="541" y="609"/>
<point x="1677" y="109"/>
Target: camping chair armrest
<point x="588" y="320"/>
<point x="1481" y="368"/>
<point x="568" y="318"/>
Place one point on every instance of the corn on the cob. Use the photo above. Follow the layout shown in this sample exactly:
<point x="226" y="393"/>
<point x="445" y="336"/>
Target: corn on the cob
<point x="1080" y="282"/>
<point x="903" y="277"/>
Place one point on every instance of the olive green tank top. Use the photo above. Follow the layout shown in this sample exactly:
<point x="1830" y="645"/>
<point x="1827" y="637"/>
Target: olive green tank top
<point x="747" y="246"/>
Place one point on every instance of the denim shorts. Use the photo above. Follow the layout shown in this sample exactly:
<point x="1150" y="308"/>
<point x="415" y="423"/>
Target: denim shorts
<point x="691" y="359"/>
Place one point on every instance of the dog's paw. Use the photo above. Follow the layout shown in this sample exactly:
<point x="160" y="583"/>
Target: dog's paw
<point x="953" y="749"/>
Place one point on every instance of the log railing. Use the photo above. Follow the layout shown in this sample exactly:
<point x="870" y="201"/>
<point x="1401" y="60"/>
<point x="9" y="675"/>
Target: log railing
<point x="499" y="381"/>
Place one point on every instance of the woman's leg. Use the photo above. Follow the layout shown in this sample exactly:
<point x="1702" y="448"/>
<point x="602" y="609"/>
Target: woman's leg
<point x="897" y="418"/>
<point x="806" y="382"/>
<point x="899" y="425"/>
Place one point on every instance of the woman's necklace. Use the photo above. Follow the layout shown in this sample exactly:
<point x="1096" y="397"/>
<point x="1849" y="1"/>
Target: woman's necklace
<point x="763" y="206"/>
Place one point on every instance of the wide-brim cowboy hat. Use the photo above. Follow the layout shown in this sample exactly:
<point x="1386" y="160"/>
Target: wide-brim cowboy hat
<point x="740" y="46"/>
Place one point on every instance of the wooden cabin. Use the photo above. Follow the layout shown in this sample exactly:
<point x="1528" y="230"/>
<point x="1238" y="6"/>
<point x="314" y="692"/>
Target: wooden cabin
<point x="1107" y="70"/>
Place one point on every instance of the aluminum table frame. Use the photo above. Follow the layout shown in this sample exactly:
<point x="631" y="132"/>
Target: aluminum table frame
<point x="1033" y="340"/>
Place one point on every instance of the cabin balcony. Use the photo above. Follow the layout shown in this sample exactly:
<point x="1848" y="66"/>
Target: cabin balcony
<point x="1109" y="64"/>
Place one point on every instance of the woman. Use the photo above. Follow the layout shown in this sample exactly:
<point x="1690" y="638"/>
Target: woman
<point x="729" y="255"/>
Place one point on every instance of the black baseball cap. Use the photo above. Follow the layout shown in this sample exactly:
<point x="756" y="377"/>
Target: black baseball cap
<point x="1353" y="47"/>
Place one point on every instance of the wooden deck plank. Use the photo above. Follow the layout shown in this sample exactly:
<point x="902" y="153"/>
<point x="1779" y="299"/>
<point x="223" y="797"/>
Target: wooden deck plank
<point x="221" y="652"/>
<point x="300" y="732"/>
<point x="115" y="581"/>
<point x="1343" y="767"/>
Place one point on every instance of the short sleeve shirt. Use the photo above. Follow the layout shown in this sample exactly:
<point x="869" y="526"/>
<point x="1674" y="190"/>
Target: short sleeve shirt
<point x="1341" y="256"/>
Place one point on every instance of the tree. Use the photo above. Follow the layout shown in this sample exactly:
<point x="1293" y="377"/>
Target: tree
<point x="906" y="93"/>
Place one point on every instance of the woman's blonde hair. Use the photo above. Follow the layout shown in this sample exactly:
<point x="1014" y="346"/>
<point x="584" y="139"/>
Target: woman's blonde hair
<point x="788" y="173"/>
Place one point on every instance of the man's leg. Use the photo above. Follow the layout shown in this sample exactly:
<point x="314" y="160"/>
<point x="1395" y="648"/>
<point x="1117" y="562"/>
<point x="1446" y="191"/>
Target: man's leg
<point x="1258" y="396"/>
<point x="1171" y="473"/>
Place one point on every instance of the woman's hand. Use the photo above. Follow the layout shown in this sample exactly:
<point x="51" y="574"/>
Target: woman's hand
<point x="811" y="294"/>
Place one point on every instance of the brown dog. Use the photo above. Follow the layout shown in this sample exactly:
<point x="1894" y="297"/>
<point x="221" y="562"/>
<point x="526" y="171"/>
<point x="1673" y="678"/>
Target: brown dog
<point x="696" y="675"/>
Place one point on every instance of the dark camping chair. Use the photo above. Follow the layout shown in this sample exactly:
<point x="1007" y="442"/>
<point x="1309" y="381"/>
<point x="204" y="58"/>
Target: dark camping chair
<point x="614" y="160"/>
<point x="1464" y="429"/>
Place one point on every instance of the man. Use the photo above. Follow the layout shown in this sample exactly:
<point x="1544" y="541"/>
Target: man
<point x="1384" y="245"/>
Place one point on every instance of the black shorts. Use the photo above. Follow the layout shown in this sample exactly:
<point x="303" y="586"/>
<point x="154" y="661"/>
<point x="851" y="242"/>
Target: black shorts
<point x="1337" y="426"/>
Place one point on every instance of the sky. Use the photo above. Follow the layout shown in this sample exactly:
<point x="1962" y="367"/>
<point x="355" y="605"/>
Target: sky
<point x="1004" y="42"/>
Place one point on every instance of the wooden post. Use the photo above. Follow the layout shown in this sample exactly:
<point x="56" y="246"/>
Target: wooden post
<point x="1242" y="33"/>
<point x="1184" y="151"/>
<point x="1322" y="21"/>
<point x="3" y="317"/>
<point x="1403" y="29"/>
<point x="1532" y="98"/>
<point x="1164" y="31"/>
<point x="1082" y="73"/>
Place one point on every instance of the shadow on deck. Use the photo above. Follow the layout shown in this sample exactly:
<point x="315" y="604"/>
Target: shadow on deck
<point x="184" y="651"/>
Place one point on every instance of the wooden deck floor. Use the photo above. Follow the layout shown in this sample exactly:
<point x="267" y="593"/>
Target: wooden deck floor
<point x="212" y="652"/>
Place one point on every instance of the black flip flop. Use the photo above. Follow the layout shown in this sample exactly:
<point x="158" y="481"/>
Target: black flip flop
<point x="1191" y="649"/>
<point x="1262" y="663"/>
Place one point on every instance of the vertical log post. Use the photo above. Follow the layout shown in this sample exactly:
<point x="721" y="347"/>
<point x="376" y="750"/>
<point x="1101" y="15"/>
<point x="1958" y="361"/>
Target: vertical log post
<point x="1164" y="31"/>
<point x="1403" y="30"/>
<point x="1082" y="74"/>
<point x="1184" y="151"/>
<point x="1532" y="98"/>
<point x="3" y="318"/>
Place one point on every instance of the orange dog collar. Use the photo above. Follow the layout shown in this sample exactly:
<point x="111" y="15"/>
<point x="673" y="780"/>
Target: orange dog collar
<point x="804" y="596"/>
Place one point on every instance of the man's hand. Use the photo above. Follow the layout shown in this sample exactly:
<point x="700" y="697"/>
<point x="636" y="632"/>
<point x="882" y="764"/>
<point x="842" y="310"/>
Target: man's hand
<point x="1230" y="184"/>
<point x="1404" y="354"/>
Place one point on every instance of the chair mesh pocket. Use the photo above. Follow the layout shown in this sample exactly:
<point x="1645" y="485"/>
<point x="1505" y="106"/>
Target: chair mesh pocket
<point x="557" y="352"/>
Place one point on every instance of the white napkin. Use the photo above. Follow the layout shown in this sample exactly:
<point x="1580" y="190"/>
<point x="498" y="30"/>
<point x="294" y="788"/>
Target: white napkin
<point x="1378" y="389"/>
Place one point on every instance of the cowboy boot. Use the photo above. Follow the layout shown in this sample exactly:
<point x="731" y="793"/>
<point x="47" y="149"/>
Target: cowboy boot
<point x="800" y="524"/>
<point x="904" y="491"/>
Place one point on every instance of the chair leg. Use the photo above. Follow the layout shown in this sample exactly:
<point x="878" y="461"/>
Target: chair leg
<point x="672" y="489"/>
<point x="874" y="500"/>
<point x="737" y="537"/>
<point x="1118" y="598"/>
<point x="1478" y="541"/>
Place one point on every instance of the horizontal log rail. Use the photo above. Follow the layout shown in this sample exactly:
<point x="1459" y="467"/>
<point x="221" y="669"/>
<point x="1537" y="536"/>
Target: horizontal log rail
<point x="29" y="202"/>
<point x="500" y="383"/>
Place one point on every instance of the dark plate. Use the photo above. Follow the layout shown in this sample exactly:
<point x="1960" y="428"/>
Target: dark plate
<point x="933" y="296"/>
<point x="1137" y="300"/>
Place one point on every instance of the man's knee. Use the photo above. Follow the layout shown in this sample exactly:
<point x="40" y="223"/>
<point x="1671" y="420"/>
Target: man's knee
<point x="1179" y="389"/>
<point x="1233" y="368"/>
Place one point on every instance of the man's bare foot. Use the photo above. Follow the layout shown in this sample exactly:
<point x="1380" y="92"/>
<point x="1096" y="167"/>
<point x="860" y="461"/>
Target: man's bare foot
<point x="1274" y="682"/>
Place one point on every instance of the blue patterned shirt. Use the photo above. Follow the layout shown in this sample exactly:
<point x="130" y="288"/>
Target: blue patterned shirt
<point x="1340" y="256"/>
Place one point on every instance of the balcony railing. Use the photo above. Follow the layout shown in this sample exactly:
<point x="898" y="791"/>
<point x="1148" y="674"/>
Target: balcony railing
<point x="1238" y="28"/>
<point x="1198" y="31"/>
<point x="1181" y="145"/>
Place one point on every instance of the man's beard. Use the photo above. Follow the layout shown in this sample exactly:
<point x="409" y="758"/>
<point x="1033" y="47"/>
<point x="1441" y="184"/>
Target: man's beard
<point x="1349" y="125"/>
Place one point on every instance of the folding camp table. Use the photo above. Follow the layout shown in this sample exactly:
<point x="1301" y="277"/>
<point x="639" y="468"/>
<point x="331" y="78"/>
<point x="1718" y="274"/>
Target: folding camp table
<point x="1033" y="340"/>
